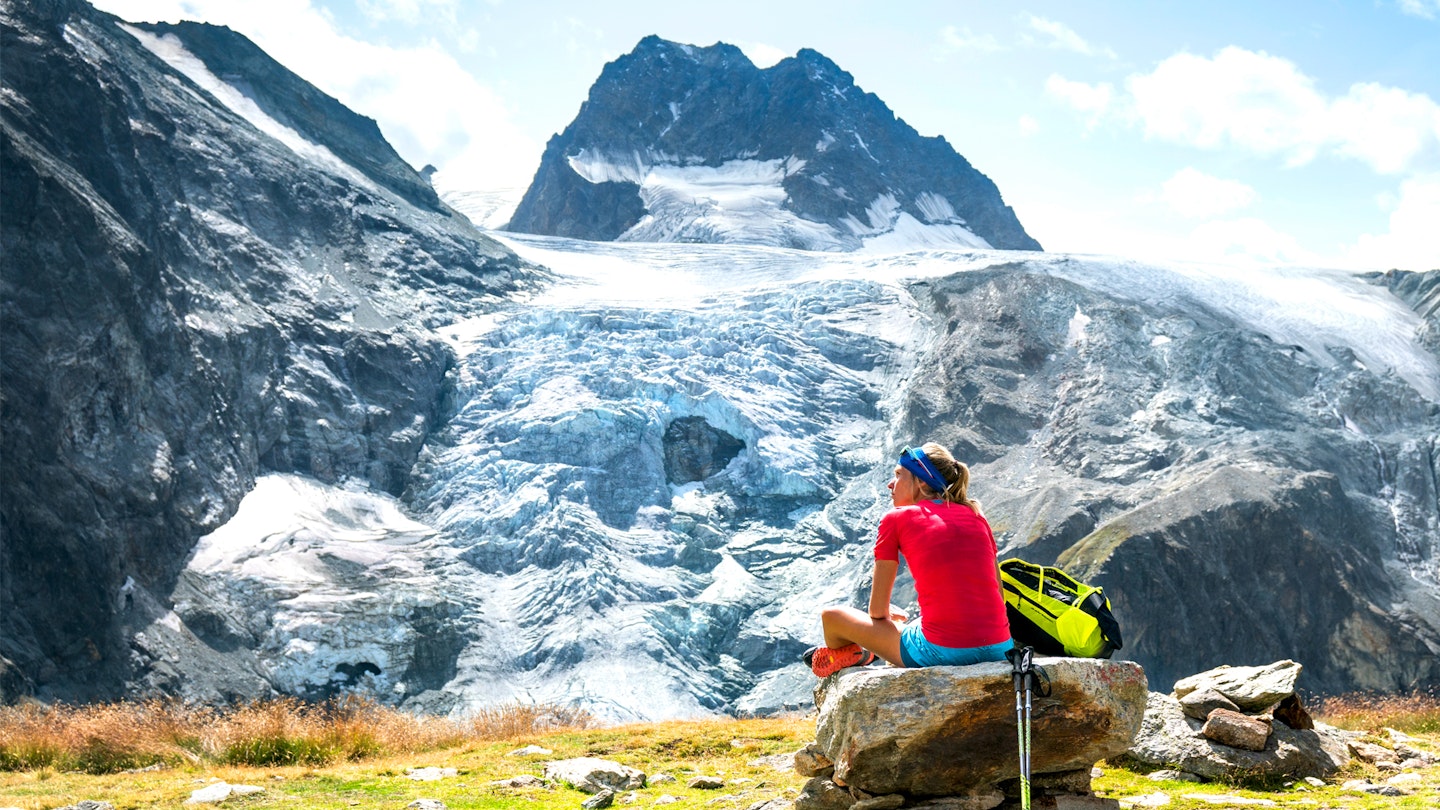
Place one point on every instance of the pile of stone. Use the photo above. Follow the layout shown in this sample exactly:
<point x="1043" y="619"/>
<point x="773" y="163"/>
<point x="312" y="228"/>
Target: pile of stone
<point x="946" y="738"/>
<point x="1233" y="722"/>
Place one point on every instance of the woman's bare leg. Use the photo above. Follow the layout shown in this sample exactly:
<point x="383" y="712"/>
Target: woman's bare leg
<point x="845" y="625"/>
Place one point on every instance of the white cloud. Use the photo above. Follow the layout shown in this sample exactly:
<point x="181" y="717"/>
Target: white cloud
<point x="1428" y="9"/>
<point x="1028" y="126"/>
<point x="1092" y="99"/>
<point x="406" y="11"/>
<point x="428" y="107"/>
<point x="1384" y="126"/>
<point x="1265" y="104"/>
<point x="1197" y="195"/>
<point x="1252" y="100"/>
<point x="1246" y="241"/>
<point x="763" y="55"/>
<point x="961" y="39"/>
<point x="1064" y="37"/>
<point x="1410" y="244"/>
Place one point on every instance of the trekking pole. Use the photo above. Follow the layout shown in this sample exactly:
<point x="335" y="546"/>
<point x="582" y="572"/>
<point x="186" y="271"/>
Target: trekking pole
<point x="1022" y="673"/>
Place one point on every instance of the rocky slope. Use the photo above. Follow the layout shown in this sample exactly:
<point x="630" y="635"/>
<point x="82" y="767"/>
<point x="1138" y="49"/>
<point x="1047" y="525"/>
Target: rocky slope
<point x="654" y="473"/>
<point x="684" y="144"/>
<point x="197" y="288"/>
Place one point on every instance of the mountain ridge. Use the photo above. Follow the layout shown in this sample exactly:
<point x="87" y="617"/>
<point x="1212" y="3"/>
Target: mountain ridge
<point x="188" y="302"/>
<point x="852" y="169"/>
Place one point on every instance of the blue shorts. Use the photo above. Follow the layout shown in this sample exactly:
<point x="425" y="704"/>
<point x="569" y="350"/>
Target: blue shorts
<point x="916" y="651"/>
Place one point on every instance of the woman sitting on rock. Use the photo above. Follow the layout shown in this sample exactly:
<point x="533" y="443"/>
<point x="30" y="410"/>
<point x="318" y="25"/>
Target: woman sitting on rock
<point x="951" y="552"/>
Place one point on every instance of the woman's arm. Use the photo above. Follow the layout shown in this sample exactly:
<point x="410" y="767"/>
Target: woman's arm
<point x="881" y="586"/>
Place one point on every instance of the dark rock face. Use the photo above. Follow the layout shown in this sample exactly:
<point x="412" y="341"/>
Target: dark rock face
<point x="695" y="451"/>
<point x="1238" y="501"/>
<point x="188" y="303"/>
<point x="299" y="105"/>
<point x="671" y="104"/>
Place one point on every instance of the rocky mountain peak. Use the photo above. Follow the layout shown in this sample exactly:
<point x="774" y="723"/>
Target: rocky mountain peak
<point x="678" y="143"/>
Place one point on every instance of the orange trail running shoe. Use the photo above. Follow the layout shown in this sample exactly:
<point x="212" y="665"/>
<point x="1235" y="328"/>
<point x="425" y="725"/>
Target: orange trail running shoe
<point x="826" y="661"/>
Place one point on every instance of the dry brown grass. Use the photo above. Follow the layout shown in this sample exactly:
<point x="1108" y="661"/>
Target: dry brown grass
<point x="106" y="738"/>
<point x="1414" y="714"/>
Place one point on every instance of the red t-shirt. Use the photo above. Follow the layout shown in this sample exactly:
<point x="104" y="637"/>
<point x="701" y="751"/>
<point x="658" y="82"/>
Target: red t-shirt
<point x="951" y="553"/>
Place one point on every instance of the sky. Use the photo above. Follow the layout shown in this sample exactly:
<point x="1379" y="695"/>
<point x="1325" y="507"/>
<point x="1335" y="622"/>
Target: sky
<point x="1272" y="132"/>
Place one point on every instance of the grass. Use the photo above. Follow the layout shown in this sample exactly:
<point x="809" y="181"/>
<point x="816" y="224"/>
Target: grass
<point x="117" y="737"/>
<point x="357" y="754"/>
<point x="1412" y="714"/>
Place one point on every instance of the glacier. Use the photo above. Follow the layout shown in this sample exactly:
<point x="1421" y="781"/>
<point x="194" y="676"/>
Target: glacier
<point x="546" y="524"/>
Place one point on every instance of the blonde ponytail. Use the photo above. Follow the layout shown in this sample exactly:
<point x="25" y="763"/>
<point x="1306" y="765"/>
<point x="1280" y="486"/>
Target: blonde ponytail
<point x="956" y="473"/>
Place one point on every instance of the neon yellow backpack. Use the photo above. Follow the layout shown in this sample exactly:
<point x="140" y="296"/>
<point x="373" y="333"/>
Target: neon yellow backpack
<point x="1056" y="613"/>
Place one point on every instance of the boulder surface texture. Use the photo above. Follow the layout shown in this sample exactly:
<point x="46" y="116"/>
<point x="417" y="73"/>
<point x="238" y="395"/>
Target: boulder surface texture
<point x="951" y="731"/>
<point x="1252" y="689"/>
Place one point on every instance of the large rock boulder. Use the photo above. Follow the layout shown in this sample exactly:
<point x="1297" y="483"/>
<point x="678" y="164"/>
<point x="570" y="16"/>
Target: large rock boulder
<point x="951" y="731"/>
<point x="1168" y="738"/>
<point x="1253" y="689"/>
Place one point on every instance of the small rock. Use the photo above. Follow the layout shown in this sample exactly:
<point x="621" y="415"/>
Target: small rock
<point x="822" y="794"/>
<point x="666" y="798"/>
<point x="212" y="794"/>
<point x="1413" y="764"/>
<point x="1236" y="730"/>
<point x="1363" y="786"/>
<point x="1225" y="798"/>
<point x="87" y="804"/>
<point x="705" y="783"/>
<point x="810" y="761"/>
<point x="1398" y="737"/>
<point x="431" y="774"/>
<point x="1292" y="713"/>
<point x="663" y="779"/>
<point x="1201" y="702"/>
<point x="1314" y="782"/>
<point x="1147" y="800"/>
<point x="530" y="751"/>
<point x="1405" y="779"/>
<point x="772" y="804"/>
<point x="524" y="780"/>
<point x="594" y="775"/>
<point x="599" y="801"/>
<point x="1096" y="773"/>
<point x="1370" y="752"/>
<point x="630" y="798"/>
<point x="889" y="802"/>
<point x="245" y="790"/>
<point x="426" y="804"/>
<point x="1076" y="782"/>
<point x="1404" y="751"/>
<point x="775" y="762"/>
<point x="1171" y="775"/>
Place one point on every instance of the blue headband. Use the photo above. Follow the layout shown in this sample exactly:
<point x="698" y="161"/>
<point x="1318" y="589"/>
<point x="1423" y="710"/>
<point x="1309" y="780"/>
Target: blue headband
<point x="915" y="460"/>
